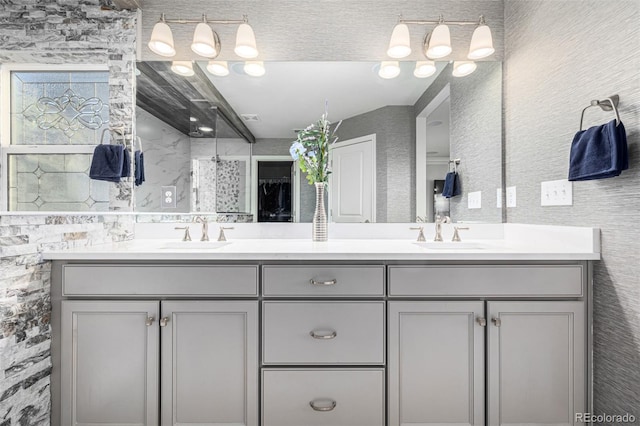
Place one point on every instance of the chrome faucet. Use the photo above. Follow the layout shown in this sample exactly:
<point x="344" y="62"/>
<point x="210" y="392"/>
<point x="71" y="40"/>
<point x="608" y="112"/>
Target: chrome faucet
<point x="187" y="236"/>
<point x="221" y="236"/>
<point x="205" y="227"/>
<point x="456" y="236"/>
<point x="439" y="221"/>
<point x="421" y="238"/>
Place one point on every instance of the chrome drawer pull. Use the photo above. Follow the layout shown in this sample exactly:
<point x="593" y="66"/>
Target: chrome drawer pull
<point x="323" y="336"/>
<point x="330" y="407"/>
<point x="329" y="282"/>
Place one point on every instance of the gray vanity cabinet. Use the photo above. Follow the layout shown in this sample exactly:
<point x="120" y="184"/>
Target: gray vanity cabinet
<point x="109" y="363"/>
<point x="436" y="363"/>
<point x="536" y="362"/>
<point x="209" y="363"/>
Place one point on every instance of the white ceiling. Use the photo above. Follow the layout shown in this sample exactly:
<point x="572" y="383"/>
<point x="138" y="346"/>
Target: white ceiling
<point x="291" y="95"/>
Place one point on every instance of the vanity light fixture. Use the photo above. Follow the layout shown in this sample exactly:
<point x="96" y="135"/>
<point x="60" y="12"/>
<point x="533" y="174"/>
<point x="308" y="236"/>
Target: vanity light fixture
<point x="218" y="68"/>
<point x="424" y="69"/>
<point x="183" y="68"/>
<point x="206" y="42"/>
<point x="389" y="69"/>
<point x="399" y="45"/>
<point x="463" y="68"/>
<point x="437" y="43"/>
<point x="205" y="129"/>
<point x="254" y="68"/>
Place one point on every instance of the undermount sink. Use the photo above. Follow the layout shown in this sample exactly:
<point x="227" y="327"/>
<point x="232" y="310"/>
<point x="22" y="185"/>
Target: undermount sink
<point x="449" y="245"/>
<point x="195" y="245"/>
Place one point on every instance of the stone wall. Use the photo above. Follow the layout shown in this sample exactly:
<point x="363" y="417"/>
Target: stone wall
<point x="54" y="32"/>
<point x="25" y="333"/>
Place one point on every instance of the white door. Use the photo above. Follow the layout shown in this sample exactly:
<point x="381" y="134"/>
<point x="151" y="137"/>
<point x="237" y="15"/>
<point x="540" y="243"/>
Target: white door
<point x="352" y="183"/>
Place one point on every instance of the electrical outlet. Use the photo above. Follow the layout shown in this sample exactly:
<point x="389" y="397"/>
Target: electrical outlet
<point x="168" y="197"/>
<point x="499" y="198"/>
<point x="474" y="200"/>
<point x="511" y="196"/>
<point x="556" y="193"/>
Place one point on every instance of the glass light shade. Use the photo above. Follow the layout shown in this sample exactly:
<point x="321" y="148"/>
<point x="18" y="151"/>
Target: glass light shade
<point x="183" y="68"/>
<point x="254" y="68"/>
<point x="161" y="42"/>
<point x="424" y="69"/>
<point x="463" y="68"/>
<point x="205" y="43"/>
<point x="246" y="42"/>
<point x="389" y="69"/>
<point x="439" y="42"/>
<point x="399" y="45"/>
<point x="481" y="43"/>
<point x="219" y="68"/>
<point x="205" y="129"/>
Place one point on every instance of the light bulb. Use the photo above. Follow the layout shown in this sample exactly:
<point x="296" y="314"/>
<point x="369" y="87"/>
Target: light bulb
<point x="254" y="68"/>
<point x="205" y="41"/>
<point x="161" y="42"/>
<point x="389" y="69"/>
<point x="399" y="45"/>
<point x="463" y="68"/>
<point x="481" y="43"/>
<point x="183" y="68"/>
<point x="424" y="69"/>
<point x="439" y="42"/>
<point x="246" y="42"/>
<point x="219" y="68"/>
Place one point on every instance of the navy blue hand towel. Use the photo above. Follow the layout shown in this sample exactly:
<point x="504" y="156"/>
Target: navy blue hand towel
<point x="599" y="152"/>
<point x="451" y="185"/>
<point x="126" y="164"/>
<point x="107" y="163"/>
<point x="139" y="167"/>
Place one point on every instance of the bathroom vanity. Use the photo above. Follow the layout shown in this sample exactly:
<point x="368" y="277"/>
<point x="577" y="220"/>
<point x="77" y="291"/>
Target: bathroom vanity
<point x="291" y="333"/>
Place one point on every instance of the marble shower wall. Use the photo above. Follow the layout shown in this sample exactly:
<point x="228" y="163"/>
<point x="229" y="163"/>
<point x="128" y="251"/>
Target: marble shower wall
<point x="167" y="162"/>
<point x="25" y="333"/>
<point x="54" y="32"/>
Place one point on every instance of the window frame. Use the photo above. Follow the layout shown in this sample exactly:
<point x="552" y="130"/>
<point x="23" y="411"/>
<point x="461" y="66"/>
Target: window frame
<point x="6" y="148"/>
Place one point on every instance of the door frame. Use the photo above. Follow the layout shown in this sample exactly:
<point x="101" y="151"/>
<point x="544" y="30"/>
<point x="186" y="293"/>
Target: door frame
<point x="368" y="138"/>
<point x="421" y="151"/>
<point x="295" y="185"/>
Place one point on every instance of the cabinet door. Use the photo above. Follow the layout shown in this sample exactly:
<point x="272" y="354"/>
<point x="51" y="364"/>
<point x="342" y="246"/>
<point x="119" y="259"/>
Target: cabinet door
<point x="536" y="362"/>
<point x="209" y="363"/>
<point x="109" y="363"/>
<point x="436" y="363"/>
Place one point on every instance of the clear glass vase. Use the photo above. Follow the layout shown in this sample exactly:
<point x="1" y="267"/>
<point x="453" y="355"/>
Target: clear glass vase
<point x="320" y="229"/>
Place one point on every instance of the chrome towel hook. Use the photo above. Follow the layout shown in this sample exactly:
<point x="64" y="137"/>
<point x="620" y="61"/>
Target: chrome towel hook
<point x="607" y="104"/>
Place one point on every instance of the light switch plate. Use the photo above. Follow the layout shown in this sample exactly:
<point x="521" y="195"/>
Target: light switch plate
<point x="499" y="198"/>
<point x="475" y="200"/>
<point x="556" y="193"/>
<point x="168" y="197"/>
<point x="511" y="196"/>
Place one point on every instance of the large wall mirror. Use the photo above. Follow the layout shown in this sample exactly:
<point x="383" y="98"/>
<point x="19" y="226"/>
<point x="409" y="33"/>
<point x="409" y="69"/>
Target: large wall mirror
<point x="221" y="142"/>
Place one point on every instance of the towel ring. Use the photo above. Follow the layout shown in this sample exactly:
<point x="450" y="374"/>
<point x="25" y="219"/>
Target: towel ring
<point x="455" y="163"/>
<point x="607" y="104"/>
<point x="119" y="131"/>
<point x="139" y="139"/>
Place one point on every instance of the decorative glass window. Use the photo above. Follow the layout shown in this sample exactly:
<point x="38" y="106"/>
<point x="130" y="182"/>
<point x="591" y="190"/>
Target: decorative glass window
<point x="52" y="118"/>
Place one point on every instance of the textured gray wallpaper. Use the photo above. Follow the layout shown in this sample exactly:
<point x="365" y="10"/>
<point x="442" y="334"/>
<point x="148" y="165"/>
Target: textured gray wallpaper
<point x="559" y="56"/>
<point x="395" y="130"/>
<point x="323" y="30"/>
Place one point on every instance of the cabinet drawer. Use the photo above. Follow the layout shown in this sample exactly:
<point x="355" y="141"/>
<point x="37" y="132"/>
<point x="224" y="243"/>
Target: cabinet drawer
<point x="159" y="280"/>
<point x="323" y="281"/>
<point x="323" y="333"/>
<point x="341" y="397"/>
<point x="487" y="281"/>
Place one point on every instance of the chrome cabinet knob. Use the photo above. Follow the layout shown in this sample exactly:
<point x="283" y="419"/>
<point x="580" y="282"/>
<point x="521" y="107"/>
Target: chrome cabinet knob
<point x="149" y="321"/>
<point x="164" y="321"/>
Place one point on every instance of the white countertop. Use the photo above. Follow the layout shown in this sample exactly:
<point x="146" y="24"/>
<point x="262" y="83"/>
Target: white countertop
<point x="507" y="249"/>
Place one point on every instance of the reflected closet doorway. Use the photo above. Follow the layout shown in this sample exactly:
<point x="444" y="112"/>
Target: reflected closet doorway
<point x="275" y="189"/>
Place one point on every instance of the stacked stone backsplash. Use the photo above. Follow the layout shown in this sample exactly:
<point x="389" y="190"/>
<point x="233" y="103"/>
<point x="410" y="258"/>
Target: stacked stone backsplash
<point x="55" y="32"/>
<point x="25" y="333"/>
